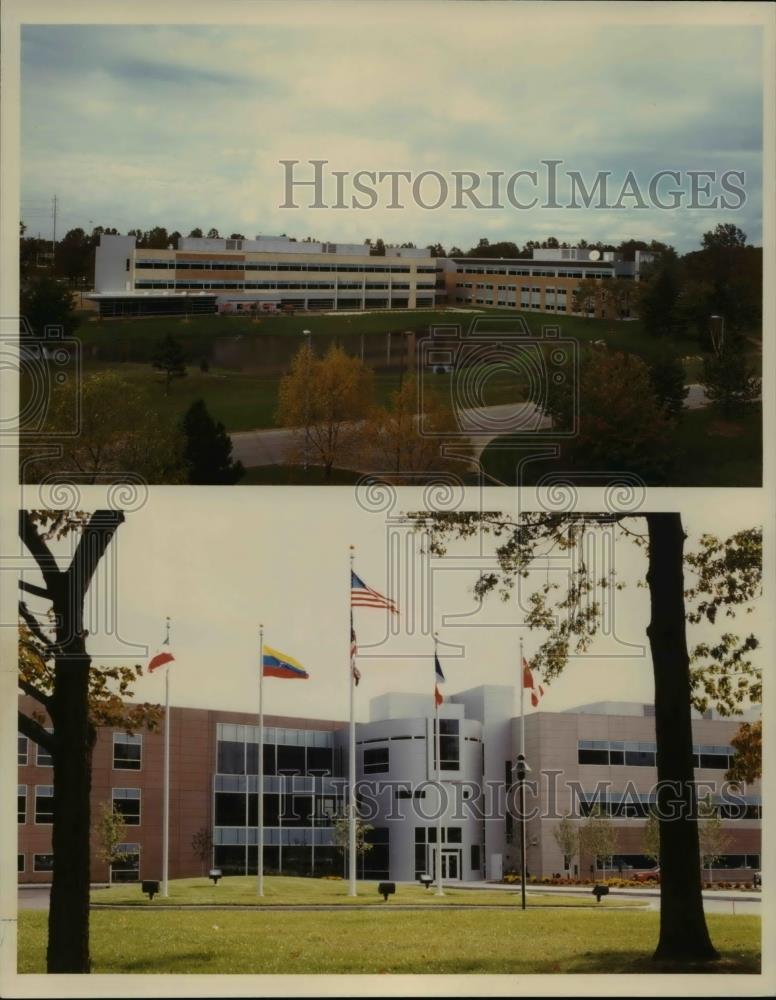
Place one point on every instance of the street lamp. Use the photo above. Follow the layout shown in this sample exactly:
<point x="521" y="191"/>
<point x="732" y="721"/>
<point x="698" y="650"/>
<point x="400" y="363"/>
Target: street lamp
<point x="521" y="769"/>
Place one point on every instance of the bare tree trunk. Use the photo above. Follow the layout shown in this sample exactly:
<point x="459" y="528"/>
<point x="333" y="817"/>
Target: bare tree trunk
<point x="683" y="932"/>
<point x="68" y="938"/>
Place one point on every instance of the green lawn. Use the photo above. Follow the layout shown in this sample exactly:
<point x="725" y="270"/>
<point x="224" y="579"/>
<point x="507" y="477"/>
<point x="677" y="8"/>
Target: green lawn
<point x="711" y="451"/>
<point x="241" y="890"/>
<point x="591" y="940"/>
<point x="134" y="339"/>
<point x="246" y="400"/>
<point x="720" y="452"/>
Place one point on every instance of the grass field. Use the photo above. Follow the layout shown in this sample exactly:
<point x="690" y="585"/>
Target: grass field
<point x="134" y="339"/>
<point x="590" y="940"/>
<point x="241" y="890"/>
<point x="711" y="451"/>
<point x="246" y="401"/>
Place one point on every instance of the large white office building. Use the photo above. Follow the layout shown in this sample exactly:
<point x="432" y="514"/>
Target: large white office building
<point x="266" y="274"/>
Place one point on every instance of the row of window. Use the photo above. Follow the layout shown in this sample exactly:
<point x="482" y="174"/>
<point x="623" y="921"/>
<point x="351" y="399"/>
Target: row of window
<point x="221" y="265"/>
<point x="377" y="759"/>
<point x="127" y="753"/>
<point x="638" y="807"/>
<point x="125" y="800"/>
<point x="633" y="754"/>
<point x="240" y="809"/>
<point x="535" y="273"/>
<point x="243" y="758"/>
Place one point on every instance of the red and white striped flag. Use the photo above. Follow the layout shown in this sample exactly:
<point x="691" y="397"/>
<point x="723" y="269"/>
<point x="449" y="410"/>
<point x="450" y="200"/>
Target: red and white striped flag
<point x="528" y="682"/>
<point x="362" y="596"/>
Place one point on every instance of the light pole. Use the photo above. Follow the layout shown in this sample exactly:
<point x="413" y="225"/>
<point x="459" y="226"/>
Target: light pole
<point x="521" y="769"/>
<point x="308" y="342"/>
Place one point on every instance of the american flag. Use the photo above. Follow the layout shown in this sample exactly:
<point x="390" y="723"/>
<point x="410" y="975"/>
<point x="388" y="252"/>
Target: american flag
<point x="354" y="653"/>
<point x="362" y="596"/>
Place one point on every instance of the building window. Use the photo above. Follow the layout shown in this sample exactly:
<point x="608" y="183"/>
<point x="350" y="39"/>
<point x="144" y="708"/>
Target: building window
<point x="475" y="857"/>
<point x="21" y="804"/>
<point x="376" y="760"/>
<point x="449" y="745"/>
<point x="291" y="759"/>
<point x="44" y="803"/>
<point x="231" y="757"/>
<point x="43" y="757"/>
<point x="22" y="750"/>
<point x="230" y="809"/>
<point x="127" y="868"/>
<point x="19" y="862"/>
<point x="375" y="862"/>
<point x="127" y="752"/>
<point x="640" y="755"/>
<point x="127" y="802"/>
<point x="43" y="862"/>
<point x="593" y="752"/>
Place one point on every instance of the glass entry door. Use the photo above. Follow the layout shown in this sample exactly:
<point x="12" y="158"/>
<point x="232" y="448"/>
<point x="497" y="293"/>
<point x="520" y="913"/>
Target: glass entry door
<point x="451" y="866"/>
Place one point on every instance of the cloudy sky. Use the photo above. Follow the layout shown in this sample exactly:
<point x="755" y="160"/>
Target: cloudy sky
<point x="185" y="125"/>
<point x="220" y="562"/>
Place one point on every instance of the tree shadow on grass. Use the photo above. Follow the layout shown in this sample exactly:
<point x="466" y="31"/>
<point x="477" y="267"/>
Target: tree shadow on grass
<point x="180" y="962"/>
<point x="638" y="962"/>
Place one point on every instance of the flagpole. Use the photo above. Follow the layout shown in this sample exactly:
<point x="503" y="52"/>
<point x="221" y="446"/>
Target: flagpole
<point x="166" y="780"/>
<point x="522" y="696"/>
<point x="439" y="890"/>
<point x="521" y="777"/>
<point x="352" y="760"/>
<point x="260" y="831"/>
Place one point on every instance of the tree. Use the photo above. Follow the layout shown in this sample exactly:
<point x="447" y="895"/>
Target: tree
<point x="659" y="299"/>
<point x="202" y="845"/>
<point x="208" y="449"/>
<point x="392" y="442"/>
<point x="747" y="763"/>
<point x="650" y="837"/>
<point x="196" y="233"/>
<point x="724" y="234"/>
<point x="111" y="832"/>
<point x="56" y="672"/>
<point x="620" y="423"/>
<point x="47" y="303"/>
<point x="170" y="359"/>
<point x="731" y="383"/>
<point x="622" y="292"/>
<point x="119" y="436"/>
<point x="566" y="836"/>
<point x="667" y="376"/>
<point x="324" y="399"/>
<point x="598" y="838"/>
<point x="212" y="234"/>
<point x="342" y="835"/>
<point x="586" y="296"/>
<point x="724" y="576"/>
<point x="713" y="839"/>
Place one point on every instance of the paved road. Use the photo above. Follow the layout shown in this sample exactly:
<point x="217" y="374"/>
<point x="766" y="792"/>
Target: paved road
<point x="274" y="446"/>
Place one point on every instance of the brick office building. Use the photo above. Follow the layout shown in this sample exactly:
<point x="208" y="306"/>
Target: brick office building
<point x="601" y="754"/>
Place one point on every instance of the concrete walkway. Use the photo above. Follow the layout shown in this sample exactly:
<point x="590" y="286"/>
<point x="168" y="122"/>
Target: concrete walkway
<point x="731" y="901"/>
